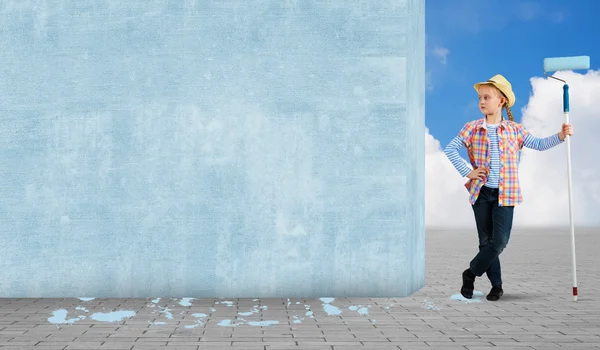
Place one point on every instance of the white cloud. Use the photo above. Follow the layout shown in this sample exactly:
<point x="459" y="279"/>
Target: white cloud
<point x="543" y="174"/>
<point x="441" y="53"/>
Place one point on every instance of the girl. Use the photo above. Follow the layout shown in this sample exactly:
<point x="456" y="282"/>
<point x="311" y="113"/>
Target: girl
<point x="493" y="145"/>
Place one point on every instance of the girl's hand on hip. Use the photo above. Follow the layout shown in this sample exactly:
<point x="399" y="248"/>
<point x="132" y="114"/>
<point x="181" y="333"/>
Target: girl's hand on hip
<point x="479" y="173"/>
<point x="567" y="129"/>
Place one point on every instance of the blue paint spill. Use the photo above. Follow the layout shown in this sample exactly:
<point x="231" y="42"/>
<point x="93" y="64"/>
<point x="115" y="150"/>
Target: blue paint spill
<point x="167" y="313"/>
<point x="430" y="305"/>
<point x="60" y="317"/>
<point x="228" y="303"/>
<point x="86" y="299"/>
<point x="115" y="316"/>
<point x="331" y="310"/>
<point x="159" y="323"/>
<point x="186" y="302"/>
<point x="229" y="323"/>
<point x="249" y="313"/>
<point x="297" y="319"/>
<point x="363" y="311"/>
<point x="82" y="309"/>
<point x="226" y="323"/>
<point x="263" y="323"/>
<point x="200" y="317"/>
<point x="476" y="297"/>
<point x="328" y="308"/>
<point x="308" y="310"/>
<point x="212" y="309"/>
<point x="155" y="301"/>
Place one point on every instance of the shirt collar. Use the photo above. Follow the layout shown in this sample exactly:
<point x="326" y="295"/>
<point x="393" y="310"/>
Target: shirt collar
<point x="481" y="123"/>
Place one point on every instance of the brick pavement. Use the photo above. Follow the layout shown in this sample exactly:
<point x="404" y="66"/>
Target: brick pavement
<point x="537" y="311"/>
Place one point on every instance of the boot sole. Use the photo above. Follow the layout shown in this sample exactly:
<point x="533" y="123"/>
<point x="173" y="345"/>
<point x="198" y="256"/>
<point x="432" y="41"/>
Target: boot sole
<point x="495" y="297"/>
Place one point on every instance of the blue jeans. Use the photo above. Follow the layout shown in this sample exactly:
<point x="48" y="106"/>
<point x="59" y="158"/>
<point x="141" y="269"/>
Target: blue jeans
<point x="494" y="224"/>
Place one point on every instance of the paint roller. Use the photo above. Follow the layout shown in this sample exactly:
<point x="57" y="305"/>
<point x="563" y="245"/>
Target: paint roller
<point x="555" y="64"/>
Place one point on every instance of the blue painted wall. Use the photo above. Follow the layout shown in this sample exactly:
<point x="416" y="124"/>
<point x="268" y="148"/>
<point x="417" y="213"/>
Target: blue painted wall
<point x="211" y="148"/>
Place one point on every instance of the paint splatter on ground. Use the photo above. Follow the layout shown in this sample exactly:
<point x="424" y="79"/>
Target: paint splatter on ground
<point x="167" y="313"/>
<point x="298" y="319"/>
<point x="254" y="310"/>
<point x="199" y="320"/>
<point x="227" y="323"/>
<point x="60" y="317"/>
<point x="328" y="308"/>
<point x="429" y="305"/>
<point x="86" y="299"/>
<point x="476" y="297"/>
<point x="186" y="302"/>
<point x="363" y="311"/>
<point x="263" y="323"/>
<point x="228" y="303"/>
<point x="331" y="310"/>
<point x="115" y="316"/>
<point x="230" y="323"/>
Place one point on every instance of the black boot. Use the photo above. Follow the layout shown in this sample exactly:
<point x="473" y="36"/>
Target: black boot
<point x="468" y="285"/>
<point x="495" y="293"/>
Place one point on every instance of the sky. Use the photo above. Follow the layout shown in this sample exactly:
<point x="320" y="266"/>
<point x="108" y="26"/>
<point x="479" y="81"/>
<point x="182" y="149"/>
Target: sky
<point x="468" y="41"/>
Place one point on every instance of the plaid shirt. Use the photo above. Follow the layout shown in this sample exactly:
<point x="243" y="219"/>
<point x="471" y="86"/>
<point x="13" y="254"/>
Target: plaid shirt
<point x="511" y="139"/>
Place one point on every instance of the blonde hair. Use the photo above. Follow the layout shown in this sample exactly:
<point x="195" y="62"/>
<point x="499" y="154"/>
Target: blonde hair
<point x="508" y="111"/>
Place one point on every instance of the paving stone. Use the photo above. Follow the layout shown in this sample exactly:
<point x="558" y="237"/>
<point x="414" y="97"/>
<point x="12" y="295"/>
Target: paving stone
<point x="536" y="311"/>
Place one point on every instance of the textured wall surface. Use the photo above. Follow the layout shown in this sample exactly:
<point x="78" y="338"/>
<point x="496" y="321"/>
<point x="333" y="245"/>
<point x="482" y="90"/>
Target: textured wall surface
<point x="226" y="148"/>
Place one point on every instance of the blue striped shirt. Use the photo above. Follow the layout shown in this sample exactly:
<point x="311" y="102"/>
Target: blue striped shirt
<point x="511" y="137"/>
<point x="493" y="177"/>
<point x="538" y="144"/>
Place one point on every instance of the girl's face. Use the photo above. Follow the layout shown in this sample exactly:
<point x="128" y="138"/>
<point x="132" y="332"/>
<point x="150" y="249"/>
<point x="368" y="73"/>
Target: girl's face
<point x="490" y="100"/>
